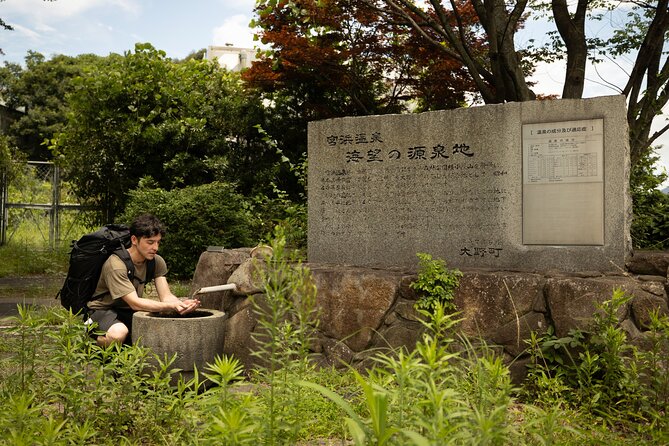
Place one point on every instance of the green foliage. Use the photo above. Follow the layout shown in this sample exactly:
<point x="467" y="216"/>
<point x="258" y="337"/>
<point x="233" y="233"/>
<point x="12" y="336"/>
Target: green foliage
<point x="600" y="372"/>
<point x="196" y="217"/>
<point x="21" y="259"/>
<point x="40" y="89"/>
<point x="279" y="210"/>
<point x="277" y="207"/>
<point x="650" y="225"/>
<point x="11" y="160"/>
<point x="436" y="284"/>
<point x="287" y="318"/>
<point x="142" y="115"/>
<point x="5" y="154"/>
<point x="438" y="393"/>
<point x="57" y="387"/>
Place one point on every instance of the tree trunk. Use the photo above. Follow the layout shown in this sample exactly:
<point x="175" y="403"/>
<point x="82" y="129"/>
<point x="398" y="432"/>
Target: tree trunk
<point x="572" y="31"/>
<point x="499" y="77"/>
<point x="647" y="88"/>
<point x="500" y="25"/>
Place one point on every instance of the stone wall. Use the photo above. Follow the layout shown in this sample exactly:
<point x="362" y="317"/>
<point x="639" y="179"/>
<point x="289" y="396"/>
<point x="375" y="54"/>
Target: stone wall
<point x="365" y="309"/>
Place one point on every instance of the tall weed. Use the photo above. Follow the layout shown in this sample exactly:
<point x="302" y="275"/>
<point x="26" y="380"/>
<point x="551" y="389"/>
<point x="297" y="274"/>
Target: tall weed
<point x="68" y="390"/>
<point x="435" y="394"/>
<point x="287" y="318"/>
<point x="601" y="372"/>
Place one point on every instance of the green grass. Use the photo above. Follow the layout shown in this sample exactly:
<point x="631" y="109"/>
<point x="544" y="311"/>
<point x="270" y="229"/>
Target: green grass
<point x="57" y="388"/>
<point x="30" y="272"/>
<point x="50" y="375"/>
<point x="20" y="260"/>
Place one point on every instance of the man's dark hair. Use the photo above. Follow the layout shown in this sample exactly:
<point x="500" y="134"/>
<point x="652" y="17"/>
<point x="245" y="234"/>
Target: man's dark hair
<point x="146" y="225"/>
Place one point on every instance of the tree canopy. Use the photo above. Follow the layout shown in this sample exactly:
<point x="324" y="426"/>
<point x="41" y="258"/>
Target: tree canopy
<point x="141" y="116"/>
<point x="40" y="90"/>
<point x="341" y="58"/>
<point x="500" y="69"/>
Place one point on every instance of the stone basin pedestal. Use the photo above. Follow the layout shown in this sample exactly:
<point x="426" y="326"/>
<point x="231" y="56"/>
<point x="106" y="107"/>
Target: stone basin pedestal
<point x="196" y="338"/>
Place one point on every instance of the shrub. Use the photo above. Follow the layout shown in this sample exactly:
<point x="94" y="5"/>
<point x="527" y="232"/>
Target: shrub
<point x="650" y="224"/>
<point x="600" y="372"/>
<point x="195" y="217"/>
<point x="435" y="283"/>
<point x="280" y="210"/>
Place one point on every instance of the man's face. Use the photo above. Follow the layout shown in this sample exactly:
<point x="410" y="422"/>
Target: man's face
<point x="147" y="247"/>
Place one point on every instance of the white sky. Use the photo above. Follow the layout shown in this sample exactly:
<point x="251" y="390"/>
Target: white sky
<point x="179" y="27"/>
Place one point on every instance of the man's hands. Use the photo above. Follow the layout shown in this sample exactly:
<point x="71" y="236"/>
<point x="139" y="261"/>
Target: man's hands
<point x="187" y="306"/>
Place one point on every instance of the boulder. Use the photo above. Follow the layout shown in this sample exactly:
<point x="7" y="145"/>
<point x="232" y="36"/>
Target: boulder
<point x="573" y="301"/>
<point x="643" y="305"/>
<point x="353" y="302"/>
<point x="401" y="333"/>
<point x="490" y="300"/>
<point x="239" y="329"/>
<point x="247" y="277"/>
<point x="214" y="268"/>
<point x="651" y="263"/>
<point x="512" y="336"/>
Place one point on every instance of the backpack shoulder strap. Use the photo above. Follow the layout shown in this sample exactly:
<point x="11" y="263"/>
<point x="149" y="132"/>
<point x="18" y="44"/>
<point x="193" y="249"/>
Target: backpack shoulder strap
<point x="150" y="270"/>
<point x="124" y="255"/>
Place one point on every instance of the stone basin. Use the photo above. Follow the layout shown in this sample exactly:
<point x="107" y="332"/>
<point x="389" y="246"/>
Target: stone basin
<point x="196" y="338"/>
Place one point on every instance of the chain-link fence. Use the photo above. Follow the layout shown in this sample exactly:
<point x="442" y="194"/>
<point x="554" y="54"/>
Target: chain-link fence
<point x="36" y="208"/>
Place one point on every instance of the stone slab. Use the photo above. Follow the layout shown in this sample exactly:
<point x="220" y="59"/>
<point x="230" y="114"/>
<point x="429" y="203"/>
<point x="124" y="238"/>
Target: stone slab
<point x="450" y="183"/>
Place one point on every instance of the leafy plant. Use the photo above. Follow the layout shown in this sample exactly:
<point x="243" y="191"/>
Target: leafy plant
<point x="287" y="318"/>
<point x="653" y="367"/>
<point x="195" y="217"/>
<point x="435" y="283"/>
<point x="650" y="225"/>
<point x="377" y="429"/>
<point x="598" y="370"/>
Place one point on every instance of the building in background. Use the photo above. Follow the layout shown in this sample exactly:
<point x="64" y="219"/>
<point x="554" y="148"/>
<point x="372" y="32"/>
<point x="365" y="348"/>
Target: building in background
<point x="231" y="57"/>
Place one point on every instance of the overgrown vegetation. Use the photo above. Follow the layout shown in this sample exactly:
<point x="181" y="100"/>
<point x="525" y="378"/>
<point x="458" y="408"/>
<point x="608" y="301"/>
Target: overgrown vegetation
<point x="599" y="372"/>
<point x="592" y="387"/>
<point x="435" y="284"/>
<point x="650" y="224"/>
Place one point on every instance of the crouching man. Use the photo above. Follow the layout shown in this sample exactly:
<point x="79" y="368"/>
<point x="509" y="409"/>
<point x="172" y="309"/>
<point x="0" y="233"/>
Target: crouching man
<point x="117" y="298"/>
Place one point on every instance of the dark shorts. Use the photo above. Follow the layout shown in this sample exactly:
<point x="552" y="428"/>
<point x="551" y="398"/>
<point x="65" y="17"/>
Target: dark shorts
<point x="106" y="318"/>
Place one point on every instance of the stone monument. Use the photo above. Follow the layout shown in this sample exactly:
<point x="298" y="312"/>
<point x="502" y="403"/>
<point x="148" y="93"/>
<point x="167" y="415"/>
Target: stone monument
<point x="540" y="185"/>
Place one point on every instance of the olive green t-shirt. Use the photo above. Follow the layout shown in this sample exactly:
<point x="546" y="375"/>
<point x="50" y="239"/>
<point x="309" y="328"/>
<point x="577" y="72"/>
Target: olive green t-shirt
<point x="114" y="283"/>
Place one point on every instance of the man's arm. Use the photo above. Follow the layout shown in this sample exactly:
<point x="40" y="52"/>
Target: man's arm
<point x="141" y="304"/>
<point x="165" y="295"/>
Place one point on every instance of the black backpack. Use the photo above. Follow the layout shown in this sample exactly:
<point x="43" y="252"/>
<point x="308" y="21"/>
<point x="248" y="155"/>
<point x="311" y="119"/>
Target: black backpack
<point x="87" y="256"/>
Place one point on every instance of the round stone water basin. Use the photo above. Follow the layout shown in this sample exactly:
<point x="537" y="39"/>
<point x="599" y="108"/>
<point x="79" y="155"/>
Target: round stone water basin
<point x="196" y="338"/>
